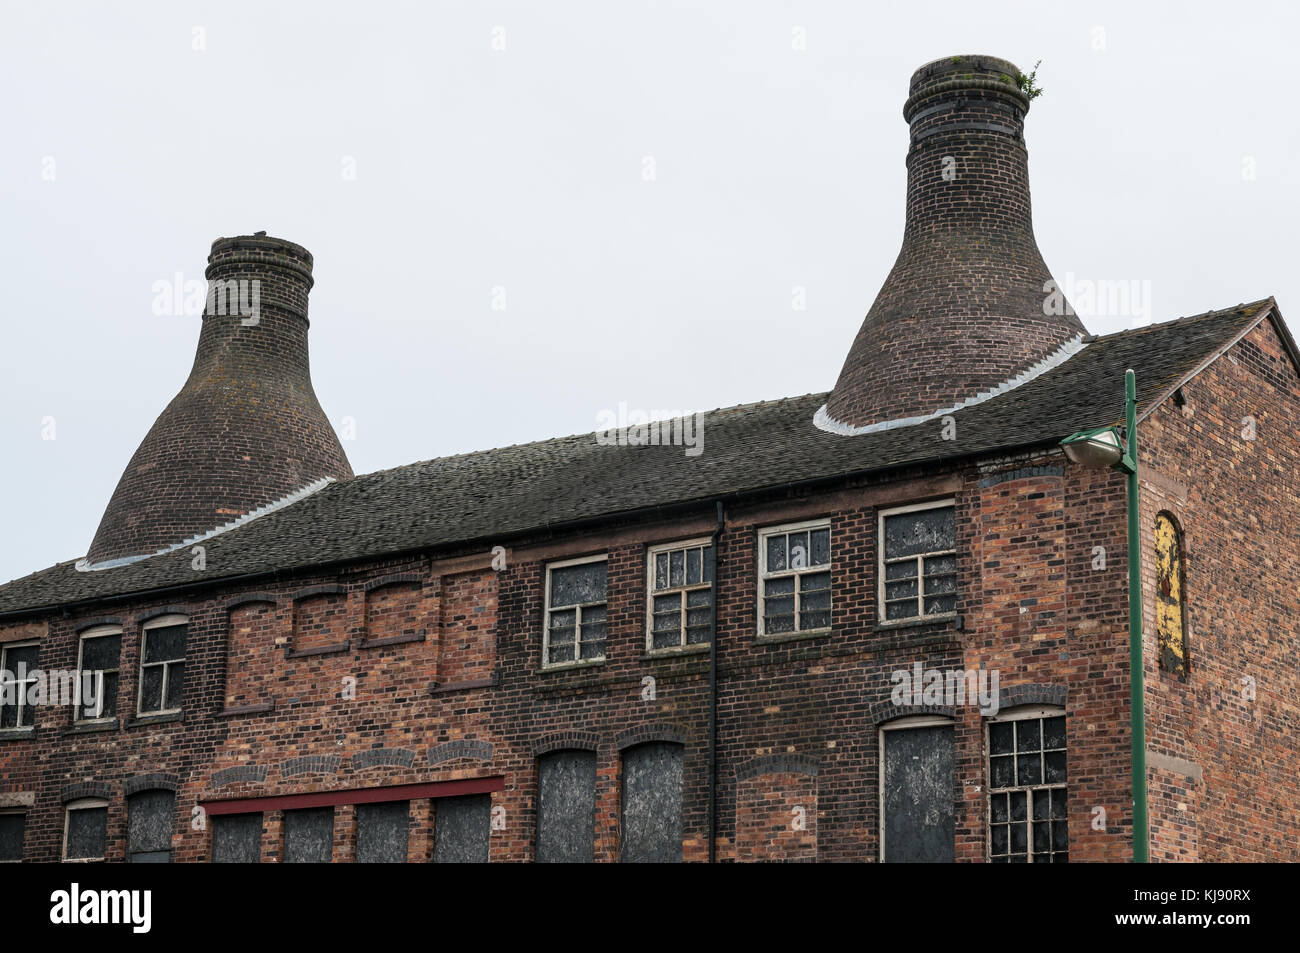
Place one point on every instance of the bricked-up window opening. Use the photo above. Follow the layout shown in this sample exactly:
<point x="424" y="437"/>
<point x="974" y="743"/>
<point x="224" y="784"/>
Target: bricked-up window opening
<point x="918" y="562"/>
<point x="17" y="665"/>
<point x="681" y="593"/>
<point x="575" y="611"/>
<point x="795" y="578"/>
<point x="162" y="666"/>
<point x="85" y="830"/>
<point x="1171" y="611"/>
<point x="237" y="839"/>
<point x="149" y="827"/>
<point x="99" y="652"/>
<point x="652" y="804"/>
<point x="383" y="832"/>
<point x="13" y="825"/>
<point x="462" y="828"/>
<point x="1027" y="789"/>
<point x="309" y="835"/>
<point x="918" y="784"/>
<point x="566" y="807"/>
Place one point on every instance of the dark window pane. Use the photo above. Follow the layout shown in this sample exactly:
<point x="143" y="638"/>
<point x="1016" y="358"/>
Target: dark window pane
<point x="100" y="654"/>
<point x="940" y="605"/>
<point x="12" y="827"/>
<point x="922" y="531"/>
<point x="1029" y="769"/>
<point x="165" y="645"/>
<point x="998" y="808"/>
<point x="562" y="653"/>
<point x="1058" y="805"/>
<point x="574" y="585"/>
<point x="1019" y="839"/>
<point x="1054" y="732"/>
<point x="1042" y="837"/>
<point x="1028" y="735"/>
<point x="22" y="656"/>
<point x="821" y="547"/>
<point x="1000" y="772"/>
<point x="566" y="807"/>
<point x="462" y="827"/>
<point x="652" y="803"/>
<point x="798" y="549"/>
<point x="1054" y="767"/>
<point x="1060" y="835"/>
<point x="676" y="568"/>
<point x="151" y="680"/>
<point x="661" y="571"/>
<point x="175" y="685"/>
<point x="902" y="589"/>
<point x="998" y="839"/>
<point x="309" y="835"/>
<point x="237" y="838"/>
<point x="1016" y="799"/>
<point x="383" y="831"/>
<point x="149" y="821"/>
<point x="9" y="713"/>
<point x="708" y="563"/>
<point x="692" y="567"/>
<point x="87" y="833"/>
<point x="776" y="553"/>
<point x="1001" y="737"/>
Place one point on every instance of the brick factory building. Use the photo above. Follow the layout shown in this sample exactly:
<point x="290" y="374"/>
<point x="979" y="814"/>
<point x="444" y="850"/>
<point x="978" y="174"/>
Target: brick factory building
<point x="593" y="649"/>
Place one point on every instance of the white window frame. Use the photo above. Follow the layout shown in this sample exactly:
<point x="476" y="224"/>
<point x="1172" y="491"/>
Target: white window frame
<point x="919" y="558"/>
<point x="21" y="812"/>
<point x="160" y="622"/>
<point x="1020" y="713"/>
<point x="20" y="686"/>
<point x="682" y="590"/>
<point x="902" y="724"/>
<point x="577" y="632"/>
<point x="97" y="632"/>
<point x="82" y="804"/>
<point x="764" y="575"/>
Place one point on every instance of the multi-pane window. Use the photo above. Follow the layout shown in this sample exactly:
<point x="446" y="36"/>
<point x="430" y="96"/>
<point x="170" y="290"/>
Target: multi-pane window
<point x="795" y="583"/>
<point x="162" y="665"/>
<point x="17" y="668"/>
<point x="100" y="651"/>
<point x="575" y="612"/>
<point x="681" y="595"/>
<point x="85" y="833"/>
<point x="13" y="825"/>
<point x="1027" y="789"/>
<point x="918" y="562"/>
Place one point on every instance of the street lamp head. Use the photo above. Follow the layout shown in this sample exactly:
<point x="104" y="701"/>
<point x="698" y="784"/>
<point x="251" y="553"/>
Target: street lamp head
<point x="1101" y="448"/>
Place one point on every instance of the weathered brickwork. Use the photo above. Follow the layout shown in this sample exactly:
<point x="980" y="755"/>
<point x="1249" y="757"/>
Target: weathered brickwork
<point x="1226" y="465"/>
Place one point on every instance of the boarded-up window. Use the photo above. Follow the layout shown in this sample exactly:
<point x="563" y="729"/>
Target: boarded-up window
<point x="566" y="807"/>
<point x="918" y="801"/>
<point x="1171" y="614"/>
<point x="652" y="803"/>
<point x="12" y="827"/>
<point x="149" y="827"/>
<point x="382" y="832"/>
<point x="309" y="835"/>
<point x="86" y="836"/>
<point x="461" y="828"/>
<point x="237" y="838"/>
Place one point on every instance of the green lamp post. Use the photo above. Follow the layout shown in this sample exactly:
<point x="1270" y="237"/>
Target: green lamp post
<point x="1111" y="447"/>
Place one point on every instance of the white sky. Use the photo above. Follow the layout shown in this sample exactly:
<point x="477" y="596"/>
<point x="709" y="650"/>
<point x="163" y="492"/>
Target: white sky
<point x="522" y="169"/>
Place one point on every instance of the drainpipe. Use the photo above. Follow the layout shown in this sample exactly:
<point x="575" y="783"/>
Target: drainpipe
<point x="713" y="689"/>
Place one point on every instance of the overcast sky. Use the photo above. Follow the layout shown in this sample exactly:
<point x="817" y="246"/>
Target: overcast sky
<point x="642" y="185"/>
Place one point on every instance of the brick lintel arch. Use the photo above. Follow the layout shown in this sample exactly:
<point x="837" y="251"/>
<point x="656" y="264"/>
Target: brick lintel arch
<point x="566" y="741"/>
<point x="785" y="763"/>
<point x="160" y="611"/>
<point x="75" y="792"/>
<point x="158" y="780"/>
<point x="655" y="731"/>
<point x="1034" y="693"/>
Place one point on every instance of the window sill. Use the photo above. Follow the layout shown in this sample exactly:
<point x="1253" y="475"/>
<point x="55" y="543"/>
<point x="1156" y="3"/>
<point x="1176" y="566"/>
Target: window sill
<point x="258" y="709"/>
<point x="465" y="686"/>
<point x="336" y="649"/>
<point x="570" y="666"/>
<point x="917" y="623"/>
<point x="143" y="721"/>
<point x="792" y="637"/>
<point x="91" y="727"/>
<point x="17" y="734"/>
<point x="391" y="640"/>
<point x="666" y="655"/>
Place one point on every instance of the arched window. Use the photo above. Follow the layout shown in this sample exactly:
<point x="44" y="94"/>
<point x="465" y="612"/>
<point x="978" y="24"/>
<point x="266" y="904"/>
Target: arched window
<point x="1171" y="612"/>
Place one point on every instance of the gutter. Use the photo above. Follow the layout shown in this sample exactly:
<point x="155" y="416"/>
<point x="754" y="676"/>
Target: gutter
<point x="713" y="688"/>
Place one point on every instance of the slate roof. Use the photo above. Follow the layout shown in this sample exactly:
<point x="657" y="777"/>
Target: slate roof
<point x="492" y="495"/>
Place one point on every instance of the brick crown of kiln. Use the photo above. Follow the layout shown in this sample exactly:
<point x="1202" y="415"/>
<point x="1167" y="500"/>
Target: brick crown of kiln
<point x="246" y="429"/>
<point x="962" y="311"/>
